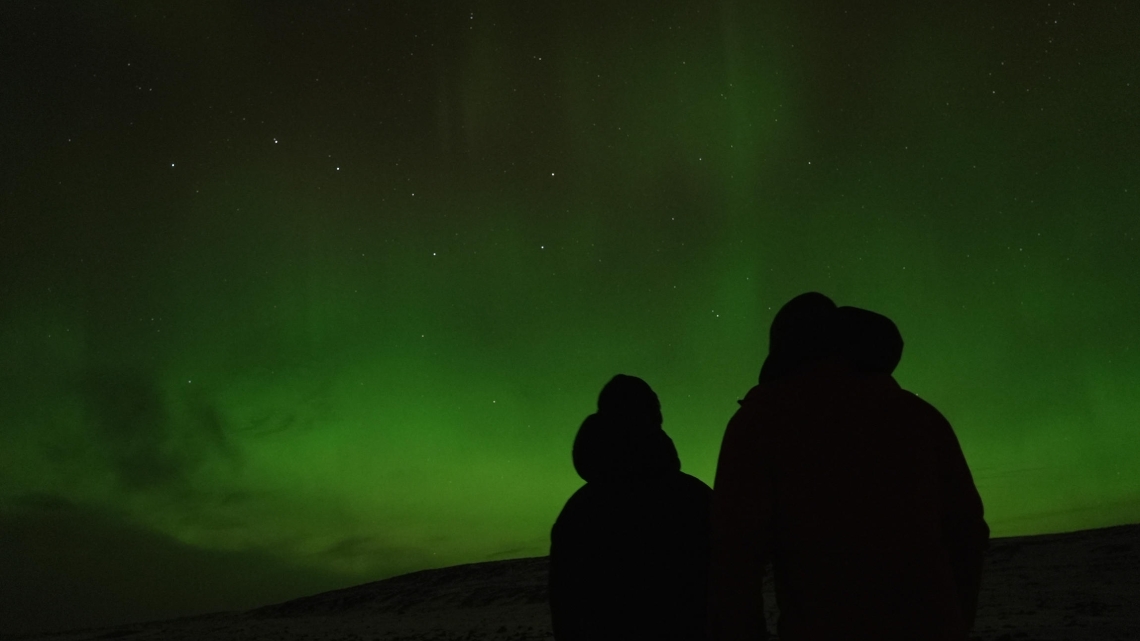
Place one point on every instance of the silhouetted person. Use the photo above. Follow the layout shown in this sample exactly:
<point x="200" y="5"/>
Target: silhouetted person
<point x="869" y="342"/>
<point x="854" y="489"/>
<point x="629" y="552"/>
<point x="800" y="332"/>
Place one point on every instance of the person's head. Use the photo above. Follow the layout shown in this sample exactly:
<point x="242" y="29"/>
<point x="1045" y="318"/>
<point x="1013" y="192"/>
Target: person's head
<point x="800" y="334"/>
<point x="870" y="342"/>
<point x="594" y="453"/>
<point x="628" y="398"/>
<point x="624" y="439"/>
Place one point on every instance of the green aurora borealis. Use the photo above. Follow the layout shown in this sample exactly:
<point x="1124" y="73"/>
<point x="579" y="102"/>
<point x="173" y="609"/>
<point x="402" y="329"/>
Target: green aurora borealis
<point x="324" y="290"/>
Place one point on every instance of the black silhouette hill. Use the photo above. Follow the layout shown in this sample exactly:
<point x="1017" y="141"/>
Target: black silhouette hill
<point x="1075" y="586"/>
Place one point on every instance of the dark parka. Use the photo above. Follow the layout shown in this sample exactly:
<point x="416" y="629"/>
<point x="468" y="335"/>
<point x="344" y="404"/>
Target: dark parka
<point x="629" y="552"/>
<point x="858" y="493"/>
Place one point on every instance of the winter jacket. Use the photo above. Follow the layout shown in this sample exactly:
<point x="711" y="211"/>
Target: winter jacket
<point x="629" y="552"/>
<point x="857" y="493"/>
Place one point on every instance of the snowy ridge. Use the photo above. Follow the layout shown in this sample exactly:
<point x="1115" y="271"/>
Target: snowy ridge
<point x="1078" y="586"/>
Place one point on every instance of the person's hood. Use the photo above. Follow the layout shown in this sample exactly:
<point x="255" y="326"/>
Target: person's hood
<point x="870" y="342"/>
<point x="607" y="449"/>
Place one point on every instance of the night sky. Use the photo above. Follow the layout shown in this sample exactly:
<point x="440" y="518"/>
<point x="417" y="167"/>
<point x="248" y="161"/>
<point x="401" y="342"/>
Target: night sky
<point x="295" y="296"/>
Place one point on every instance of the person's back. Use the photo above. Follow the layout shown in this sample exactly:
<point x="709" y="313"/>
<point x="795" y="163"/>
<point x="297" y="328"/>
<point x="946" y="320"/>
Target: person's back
<point x="629" y="552"/>
<point x="859" y="495"/>
<point x="857" y="471"/>
<point x="628" y="560"/>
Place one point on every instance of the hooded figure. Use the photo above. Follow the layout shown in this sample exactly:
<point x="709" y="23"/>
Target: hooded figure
<point x="629" y="552"/>
<point x="800" y="333"/>
<point x="855" y="490"/>
<point x="810" y="328"/>
<point x="869" y="342"/>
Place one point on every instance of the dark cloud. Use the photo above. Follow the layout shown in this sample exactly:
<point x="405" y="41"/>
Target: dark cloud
<point x="374" y="556"/>
<point x="66" y="566"/>
<point x="145" y="445"/>
<point x="40" y="502"/>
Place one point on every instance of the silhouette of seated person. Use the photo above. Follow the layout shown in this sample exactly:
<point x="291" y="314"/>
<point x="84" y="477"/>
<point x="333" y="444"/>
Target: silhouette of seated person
<point x="629" y="552"/>
<point x="855" y="490"/>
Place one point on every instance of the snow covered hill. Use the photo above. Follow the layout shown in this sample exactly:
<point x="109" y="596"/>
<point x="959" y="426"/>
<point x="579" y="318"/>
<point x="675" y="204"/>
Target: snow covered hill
<point x="1061" y="587"/>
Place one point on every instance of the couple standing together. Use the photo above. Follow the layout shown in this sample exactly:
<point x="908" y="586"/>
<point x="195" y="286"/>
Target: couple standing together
<point x="853" y="489"/>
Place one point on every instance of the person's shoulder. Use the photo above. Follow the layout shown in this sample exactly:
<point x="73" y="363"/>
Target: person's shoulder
<point x="687" y="494"/>
<point x="917" y="411"/>
<point x="676" y="484"/>
<point x="769" y="391"/>
<point x="581" y="497"/>
<point x="690" y="482"/>
<point x="916" y="402"/>
<point x="761" y="407"/>
<point x="584" y="505"/>
<point x="760" y="399"/>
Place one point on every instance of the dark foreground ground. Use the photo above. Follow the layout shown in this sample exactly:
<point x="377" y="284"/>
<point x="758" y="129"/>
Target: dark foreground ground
<point x="1060" y="587"/>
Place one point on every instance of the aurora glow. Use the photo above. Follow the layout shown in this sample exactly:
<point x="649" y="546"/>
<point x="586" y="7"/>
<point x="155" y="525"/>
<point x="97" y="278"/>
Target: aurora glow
<point x="328" y="287"/>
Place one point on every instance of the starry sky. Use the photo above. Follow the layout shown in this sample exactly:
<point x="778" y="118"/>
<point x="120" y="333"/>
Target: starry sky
<point x="296" y="295"/>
